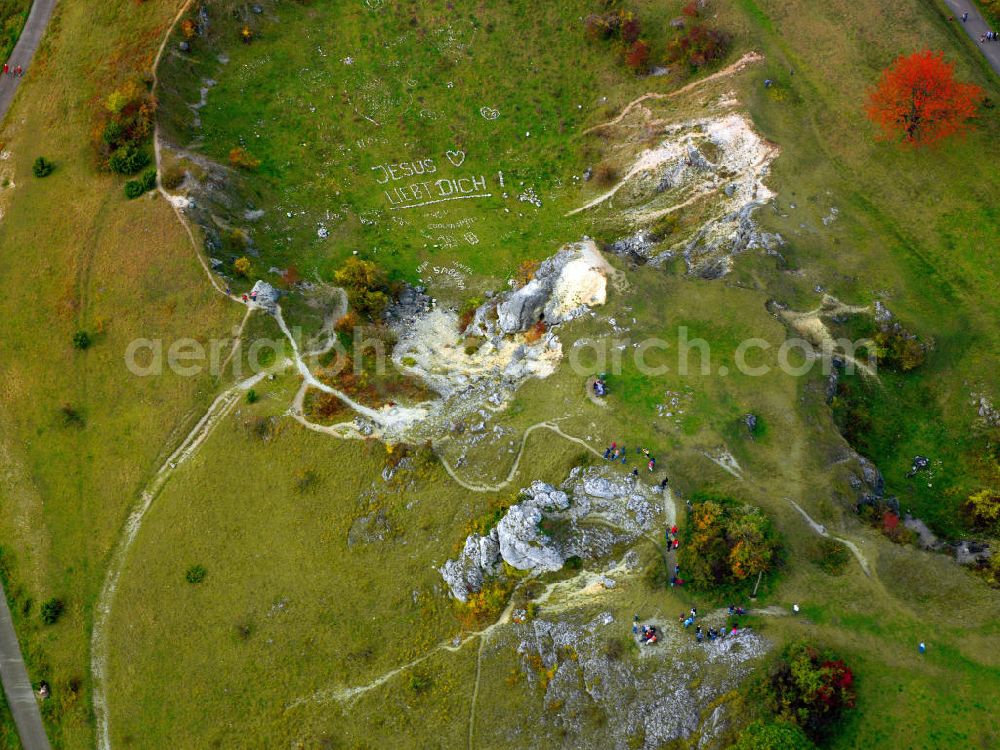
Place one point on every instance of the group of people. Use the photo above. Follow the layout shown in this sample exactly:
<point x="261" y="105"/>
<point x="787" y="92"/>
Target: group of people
<point x="989" y="36"/>
<point x="646" y="634"/>
<point x="600" y="387"/>
<point x="688" y="619"/>
<point x="614" y="452"/>
<point x="16" y="71"/>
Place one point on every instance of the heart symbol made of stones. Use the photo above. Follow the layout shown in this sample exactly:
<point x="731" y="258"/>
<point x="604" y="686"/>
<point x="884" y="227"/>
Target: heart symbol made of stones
<point x="489" y="113"/>
<point x="457" y="158"/>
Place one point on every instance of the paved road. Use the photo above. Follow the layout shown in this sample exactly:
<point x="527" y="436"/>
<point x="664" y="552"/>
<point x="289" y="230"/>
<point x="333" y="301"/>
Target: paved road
<point x="16" y="685"/>
<point x="975" y="27"/>
<point x="38" y="19"/>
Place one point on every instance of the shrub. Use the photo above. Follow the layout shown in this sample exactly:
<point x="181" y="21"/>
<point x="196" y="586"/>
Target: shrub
<point x="52" y="610"/>
<point x="420" y="682"/>
<point x="809" y="688"/>
<point x="899" y="350"/>
<point x="81" y="340"/>
<point x="830" y="556"/>
<point x="135" y="188"/>
<point x="173" y="176"/>
<point x="71" y="416"/>
<point x="468" y="311"/>
<point x="637" y="55"/>
<point x="983" y="508"/>
<point x="195" y="574"/>
<point x="698" y="46"/>
<point x="777" y="735"/>
<point x="128" y="159"/>
<point x="366" y="286"/>
<point x="605" y="173"/>
<point x="42" y="167"/>
<point x="305" y="480"/>
<point x="535" y="333"/>
<point x="242" y="266"/>
<point x="252" y="397"/>
<point x="630" y="30"/>
<point x="241" y="158"/>
<point x="525" y="272"/>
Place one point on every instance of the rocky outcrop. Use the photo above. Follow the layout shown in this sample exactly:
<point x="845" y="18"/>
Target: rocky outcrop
<point x="594" y="511"/>
<point x="265" y="295"/>
<point x="564" y="287"/>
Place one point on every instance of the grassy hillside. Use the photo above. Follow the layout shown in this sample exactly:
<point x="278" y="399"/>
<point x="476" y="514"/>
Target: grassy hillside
<point x="77" y="256"/>
<point x="320" y="575"/>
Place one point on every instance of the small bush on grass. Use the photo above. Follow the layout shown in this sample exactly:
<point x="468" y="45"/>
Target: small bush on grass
<point x="71" y="416"/>
<point x="42" y="167"/>
<point x="128" y="160"/>
<point x="698" y="46"/>
<point x="830" y="556"/>
<point x="252" y="397"/>
<point x="195" y="574"/>
<point x="81" y="340"/>
<point x="240" y="158"/>
<point x="135" y="188"/>
<point x="52" y="610"/>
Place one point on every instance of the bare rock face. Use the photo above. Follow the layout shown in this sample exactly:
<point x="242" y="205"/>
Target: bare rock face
<point x="522" y="545"/>
<point x="265" y="295"/>
<point x="465" y="574"/>
<point x="624" y="507"/>
<point x="563" y="288"/>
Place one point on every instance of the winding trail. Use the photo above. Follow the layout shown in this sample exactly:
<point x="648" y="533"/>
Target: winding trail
<point x="99" y="646"/>
<point x="736" y="67"/>
<point x="821" y="530"/>
<point x="517" y="461"/>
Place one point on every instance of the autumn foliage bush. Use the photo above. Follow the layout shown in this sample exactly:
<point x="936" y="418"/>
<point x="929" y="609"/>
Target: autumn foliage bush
<point x="623" y="30"/>
<point x="124" y="126"/>
<point x="917" y="102"/>
<point x="810" y="688"/>
<point x="698" y="45"/>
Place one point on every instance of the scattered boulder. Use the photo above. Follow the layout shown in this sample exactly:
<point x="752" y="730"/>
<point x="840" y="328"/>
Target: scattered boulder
<point x="370" y="528"/>
<point x="919" y="464"/>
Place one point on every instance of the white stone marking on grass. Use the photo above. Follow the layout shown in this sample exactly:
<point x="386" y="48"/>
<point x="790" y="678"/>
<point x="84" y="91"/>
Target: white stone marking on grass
<point x="489" y="113"/>
<point x="441" y="200"/>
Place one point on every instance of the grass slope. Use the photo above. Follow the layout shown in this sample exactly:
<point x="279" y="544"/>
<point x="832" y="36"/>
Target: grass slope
<point x="78" y="256"/>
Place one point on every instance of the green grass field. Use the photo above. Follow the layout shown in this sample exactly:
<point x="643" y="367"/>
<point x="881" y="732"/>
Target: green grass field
<point x="297" y="601"/>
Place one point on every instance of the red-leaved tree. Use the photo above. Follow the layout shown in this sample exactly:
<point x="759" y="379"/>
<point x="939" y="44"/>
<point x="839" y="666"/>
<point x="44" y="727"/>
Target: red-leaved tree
<point x="918" y="102"/>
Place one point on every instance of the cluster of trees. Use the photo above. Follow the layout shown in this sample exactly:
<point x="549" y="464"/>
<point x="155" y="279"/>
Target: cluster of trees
<point x="806" y="688"/>
<point x="698" y="43"/>
<point x="726" y="543"/>
<point x="623" y="29"/>
<point x="124" y="127"/>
